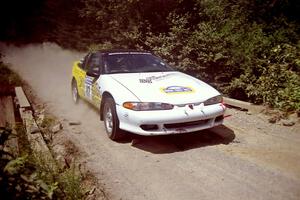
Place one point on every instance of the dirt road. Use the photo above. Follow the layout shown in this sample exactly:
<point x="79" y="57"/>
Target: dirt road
<point x="247" y="159"/>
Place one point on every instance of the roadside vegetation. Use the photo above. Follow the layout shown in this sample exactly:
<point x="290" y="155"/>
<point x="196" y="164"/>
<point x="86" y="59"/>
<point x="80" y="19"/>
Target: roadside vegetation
<point x="30" y="175"/>
<point x="250" y="50"/>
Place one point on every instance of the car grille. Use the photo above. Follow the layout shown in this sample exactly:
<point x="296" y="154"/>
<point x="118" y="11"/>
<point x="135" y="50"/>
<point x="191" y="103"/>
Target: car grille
<point x="186" y="124"/>
<point x="219" y="118"/>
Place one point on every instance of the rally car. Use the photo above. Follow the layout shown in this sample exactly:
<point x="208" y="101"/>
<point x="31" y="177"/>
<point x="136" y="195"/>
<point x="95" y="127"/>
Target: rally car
<point x="138" y="92"/>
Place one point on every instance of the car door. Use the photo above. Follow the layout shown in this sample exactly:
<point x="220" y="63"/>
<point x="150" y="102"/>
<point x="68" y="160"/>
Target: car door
<point x="93" y="71"/>
<point x="79" y="73"/>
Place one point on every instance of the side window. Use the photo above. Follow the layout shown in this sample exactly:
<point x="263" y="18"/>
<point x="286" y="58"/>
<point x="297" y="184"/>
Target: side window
<point x="94" y="63"/>
<point x="84" y="60"/>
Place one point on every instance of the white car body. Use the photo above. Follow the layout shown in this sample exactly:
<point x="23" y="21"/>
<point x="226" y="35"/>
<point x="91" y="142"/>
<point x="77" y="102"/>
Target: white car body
<point x="129" y="87"/>
<point x="185" y="92"/>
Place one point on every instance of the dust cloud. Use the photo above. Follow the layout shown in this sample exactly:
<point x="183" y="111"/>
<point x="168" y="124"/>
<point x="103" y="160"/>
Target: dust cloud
<point x="47" y="68"/>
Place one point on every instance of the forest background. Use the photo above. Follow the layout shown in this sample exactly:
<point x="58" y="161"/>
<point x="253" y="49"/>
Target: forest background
<point x="248" y="49"/>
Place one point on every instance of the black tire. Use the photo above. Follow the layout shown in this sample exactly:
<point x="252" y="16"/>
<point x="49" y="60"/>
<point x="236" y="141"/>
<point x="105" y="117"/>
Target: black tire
<point x="110" y="118"/>
<point x="75" y="95"/>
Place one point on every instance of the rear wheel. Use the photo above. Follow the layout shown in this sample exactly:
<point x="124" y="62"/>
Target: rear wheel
<point x="110" y="118"/>
<point x="75" y="95"/>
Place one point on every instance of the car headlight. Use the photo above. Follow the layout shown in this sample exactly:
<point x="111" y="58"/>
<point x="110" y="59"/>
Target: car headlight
<point x="143" y="106"/>
<point x="214" y="100"/>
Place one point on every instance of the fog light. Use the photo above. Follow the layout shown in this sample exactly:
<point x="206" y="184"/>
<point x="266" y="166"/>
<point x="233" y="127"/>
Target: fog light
<point x="149" y="127"/>
<point x="219" y="118"/>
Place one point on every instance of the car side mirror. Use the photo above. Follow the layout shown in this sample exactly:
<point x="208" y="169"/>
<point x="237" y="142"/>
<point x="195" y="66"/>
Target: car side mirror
<point x="80" y="62"/>
<point x="92" y="74"/>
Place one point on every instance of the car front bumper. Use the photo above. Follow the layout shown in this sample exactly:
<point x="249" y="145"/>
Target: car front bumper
<point x="175" y="121"/>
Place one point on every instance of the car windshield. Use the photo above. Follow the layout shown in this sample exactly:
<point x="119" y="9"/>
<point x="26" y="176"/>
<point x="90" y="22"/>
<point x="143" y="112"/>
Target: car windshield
<point x="134" y="63"/>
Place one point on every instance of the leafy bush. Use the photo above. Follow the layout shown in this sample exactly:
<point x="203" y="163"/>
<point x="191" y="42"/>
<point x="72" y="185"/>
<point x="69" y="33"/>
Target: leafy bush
<point x="276" y="81"/>
<point x="35" y="176"/>
<point x="246" y="58"/>
<point x="247" y="49"/>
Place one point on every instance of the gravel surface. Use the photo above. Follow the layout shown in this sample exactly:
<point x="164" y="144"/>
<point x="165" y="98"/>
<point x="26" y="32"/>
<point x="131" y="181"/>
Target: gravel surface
<point x="248" y="158"/>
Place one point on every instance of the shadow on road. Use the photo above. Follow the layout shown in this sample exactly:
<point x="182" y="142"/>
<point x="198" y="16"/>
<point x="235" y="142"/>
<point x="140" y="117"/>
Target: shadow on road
<point x="183" y="142"/>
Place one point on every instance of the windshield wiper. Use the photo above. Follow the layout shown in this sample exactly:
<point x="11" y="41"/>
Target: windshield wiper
<point x="153" y="70"/>
<point x="158" y="70"/>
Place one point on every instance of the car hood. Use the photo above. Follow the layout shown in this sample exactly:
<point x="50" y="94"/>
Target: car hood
<point x="166" y="87"/>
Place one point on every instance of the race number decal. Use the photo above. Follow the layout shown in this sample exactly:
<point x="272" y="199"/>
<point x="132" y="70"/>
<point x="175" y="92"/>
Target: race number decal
<point x="88" y="86"/>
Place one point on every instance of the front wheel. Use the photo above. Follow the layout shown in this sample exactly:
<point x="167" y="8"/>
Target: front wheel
<point x="111" y="121"/>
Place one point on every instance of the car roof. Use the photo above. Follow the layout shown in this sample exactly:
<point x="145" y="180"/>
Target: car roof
<point x="107" y="51"/>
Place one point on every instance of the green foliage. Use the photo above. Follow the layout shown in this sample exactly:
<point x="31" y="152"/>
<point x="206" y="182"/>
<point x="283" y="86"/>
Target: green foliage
<point x="15" y="166"/>
<point x="105" y="45"/>
<point x="231" y="44"/>
<point x="243" y="57"/>
<point x="35" y="176"/>
<point x="47" y="122"/>
<point x="53" y="181"/>
<point x="30" y="175"/>
<point x="275" y="81"/>
<point x="70" y="180"/>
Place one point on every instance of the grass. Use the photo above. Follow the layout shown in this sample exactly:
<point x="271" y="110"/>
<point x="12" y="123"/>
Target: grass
<point x="34" y="175"/>
<point x="31" y="175"/>
<point x="57" y="182"/>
